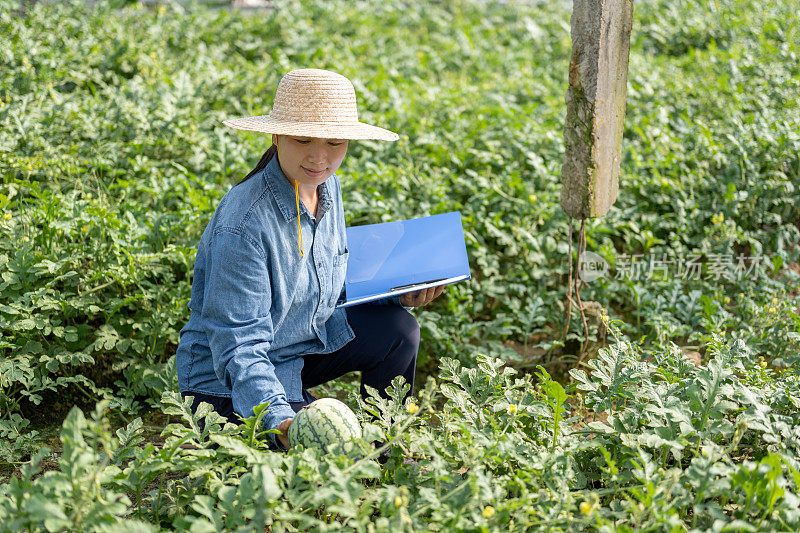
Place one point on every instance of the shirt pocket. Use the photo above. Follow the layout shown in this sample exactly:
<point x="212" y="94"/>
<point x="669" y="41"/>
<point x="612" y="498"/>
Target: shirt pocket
<point x="339" y="272"/>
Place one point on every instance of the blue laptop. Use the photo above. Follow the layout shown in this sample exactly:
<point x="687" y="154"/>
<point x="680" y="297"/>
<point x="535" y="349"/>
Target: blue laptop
<point x="393" y="258"/>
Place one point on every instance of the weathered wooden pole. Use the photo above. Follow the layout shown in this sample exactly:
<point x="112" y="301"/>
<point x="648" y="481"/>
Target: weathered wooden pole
<point x="598" y="76"/>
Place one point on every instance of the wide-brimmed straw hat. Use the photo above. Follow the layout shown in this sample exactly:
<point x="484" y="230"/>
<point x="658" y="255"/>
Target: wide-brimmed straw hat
<point x="312" y="102"/>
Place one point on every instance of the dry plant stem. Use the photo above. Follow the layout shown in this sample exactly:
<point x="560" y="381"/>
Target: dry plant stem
<point x="568" y="303"/>
<point x="575" y="286"/>
<point x="578" y="284"/>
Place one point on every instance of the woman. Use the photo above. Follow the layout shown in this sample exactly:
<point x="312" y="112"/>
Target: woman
<point x="270" y="267"/>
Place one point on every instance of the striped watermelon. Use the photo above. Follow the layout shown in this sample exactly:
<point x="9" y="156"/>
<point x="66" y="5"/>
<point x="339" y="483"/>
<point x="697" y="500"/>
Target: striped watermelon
<point x="323" y="422"/>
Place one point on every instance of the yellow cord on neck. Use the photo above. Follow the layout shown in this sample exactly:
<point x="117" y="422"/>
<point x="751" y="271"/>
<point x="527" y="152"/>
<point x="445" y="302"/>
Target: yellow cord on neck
<point x="299" y="229"/>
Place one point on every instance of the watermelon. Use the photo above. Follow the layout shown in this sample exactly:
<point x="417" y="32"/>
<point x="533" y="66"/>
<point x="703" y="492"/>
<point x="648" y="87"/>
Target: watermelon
<point x="325" y="422"/>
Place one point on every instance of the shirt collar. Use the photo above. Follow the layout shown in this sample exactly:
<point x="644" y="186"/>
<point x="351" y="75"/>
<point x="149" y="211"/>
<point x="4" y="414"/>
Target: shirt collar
<point x="284" y="195"/>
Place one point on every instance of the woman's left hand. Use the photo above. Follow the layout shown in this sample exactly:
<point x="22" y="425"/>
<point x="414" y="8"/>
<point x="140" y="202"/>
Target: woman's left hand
<point x="421" y="297"/>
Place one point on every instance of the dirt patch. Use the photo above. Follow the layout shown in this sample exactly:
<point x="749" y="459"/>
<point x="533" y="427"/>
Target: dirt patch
<point x="584" y="415"/>
<point x="692" y="355"/>
<point x="530" y="355"/>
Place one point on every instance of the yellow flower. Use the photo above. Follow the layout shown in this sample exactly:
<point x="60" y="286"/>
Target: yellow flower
<point x="586" y="508"/>
<point x="763" y="364"/>
<point x="488" y="511"/>
<point x="727" y="300"/>
<point x="6" y="216"/>
<point x="717" y="219"/>
<point x="412" y="408"/>
<point x="773" y="310"/>
<point x="512" y="408"/>
<point x="532" y="198"/>
<point x="398" y="501"/>
<point x="161" y="10"/>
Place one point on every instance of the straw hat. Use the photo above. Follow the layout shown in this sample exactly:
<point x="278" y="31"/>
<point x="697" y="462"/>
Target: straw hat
<point x="311" y="102"/>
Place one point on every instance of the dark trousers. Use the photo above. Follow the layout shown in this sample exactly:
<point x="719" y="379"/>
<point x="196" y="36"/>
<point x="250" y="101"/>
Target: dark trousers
<point x="385" y="346"/>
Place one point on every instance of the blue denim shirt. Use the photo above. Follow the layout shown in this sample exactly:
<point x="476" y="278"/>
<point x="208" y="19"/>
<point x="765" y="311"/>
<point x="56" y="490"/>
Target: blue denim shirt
<point x="257" y="305"/>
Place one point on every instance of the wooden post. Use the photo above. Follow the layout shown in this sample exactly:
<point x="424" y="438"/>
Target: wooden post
<point x="598" y="76"/>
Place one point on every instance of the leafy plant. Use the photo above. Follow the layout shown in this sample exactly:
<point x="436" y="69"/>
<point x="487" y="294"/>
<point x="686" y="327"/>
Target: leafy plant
<point x="113" y="159"/>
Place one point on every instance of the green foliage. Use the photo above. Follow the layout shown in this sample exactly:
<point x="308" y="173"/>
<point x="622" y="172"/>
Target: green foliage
<point x="82" y="494"/>
<point x="113" y="158"/>
<point x="694" y="451"/>
<point x="555" y="397"/>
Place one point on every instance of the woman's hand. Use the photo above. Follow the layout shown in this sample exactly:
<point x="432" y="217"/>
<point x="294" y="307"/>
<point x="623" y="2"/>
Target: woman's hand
<point x="421" y="297"/>
<point x="284" y="429"/>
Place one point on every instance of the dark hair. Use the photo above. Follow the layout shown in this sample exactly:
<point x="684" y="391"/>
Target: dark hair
<point x="262" y="163"/>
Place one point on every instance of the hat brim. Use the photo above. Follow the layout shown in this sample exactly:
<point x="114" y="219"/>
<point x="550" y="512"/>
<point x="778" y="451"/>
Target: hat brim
<point x="324" y="130"/>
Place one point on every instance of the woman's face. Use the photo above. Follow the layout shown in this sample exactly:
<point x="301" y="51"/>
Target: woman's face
<point x="309" y="160"/>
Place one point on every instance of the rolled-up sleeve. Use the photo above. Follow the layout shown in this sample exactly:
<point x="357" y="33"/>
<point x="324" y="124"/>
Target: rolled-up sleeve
<point x="236" y="318"/>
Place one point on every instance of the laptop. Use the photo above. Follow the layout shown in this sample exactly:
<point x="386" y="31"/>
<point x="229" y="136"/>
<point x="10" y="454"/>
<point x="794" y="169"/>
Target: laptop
<point x="394" y="258"/>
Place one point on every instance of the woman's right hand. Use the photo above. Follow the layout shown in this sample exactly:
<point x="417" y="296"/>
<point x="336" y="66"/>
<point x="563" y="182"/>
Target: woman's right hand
<point x="283" y="427"/>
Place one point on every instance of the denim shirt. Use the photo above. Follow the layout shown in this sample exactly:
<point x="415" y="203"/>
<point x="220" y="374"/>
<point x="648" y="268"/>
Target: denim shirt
<point x="257" y="305"/>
